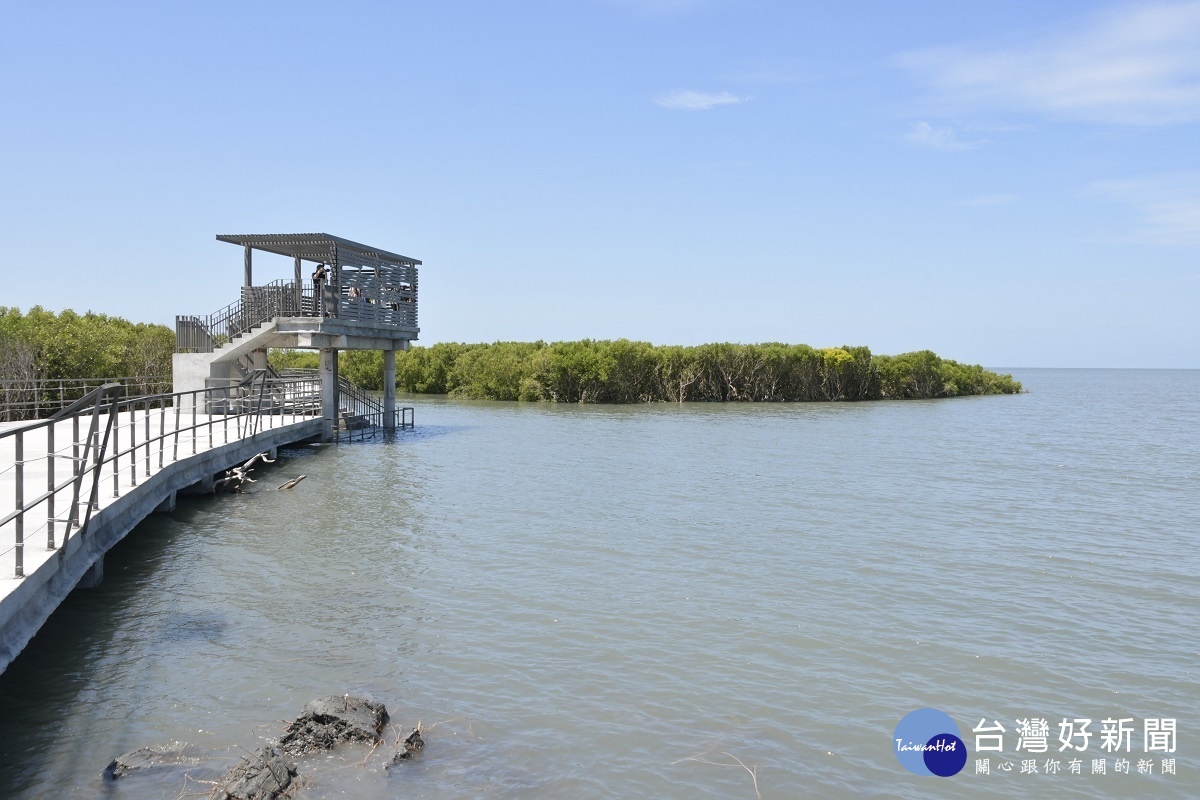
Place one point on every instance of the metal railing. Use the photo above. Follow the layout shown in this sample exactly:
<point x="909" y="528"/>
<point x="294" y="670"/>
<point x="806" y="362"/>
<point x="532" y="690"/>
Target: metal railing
<point x="55" y="470"/>
<point x="258" y="305"/>
<point x="40" y="398"/>
<point x="385" y="309"/>
<point x="360" y="300"/>
<point x="362" y="414"/>
<point x="365" y="415"/>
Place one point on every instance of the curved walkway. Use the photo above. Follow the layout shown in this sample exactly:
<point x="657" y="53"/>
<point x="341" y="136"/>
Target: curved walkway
<point x="153" y="452"/>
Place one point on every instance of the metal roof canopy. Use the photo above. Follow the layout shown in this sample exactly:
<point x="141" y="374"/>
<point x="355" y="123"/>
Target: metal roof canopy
<point x="316" y="247"/>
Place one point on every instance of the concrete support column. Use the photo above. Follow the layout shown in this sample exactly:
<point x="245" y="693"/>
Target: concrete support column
<point x="297" y="288"/>
<point x="389" y="390"/>
<point x="94" y="575"/>
<point x="329" y="392"/>
<point x="257" y="359"/>
<point x="206" y="485"/>
<point x="167" y="505"/>
<point x="248" y="266"/>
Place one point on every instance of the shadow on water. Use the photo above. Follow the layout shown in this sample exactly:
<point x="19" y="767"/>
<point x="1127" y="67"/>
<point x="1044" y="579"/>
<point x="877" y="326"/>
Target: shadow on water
<point x="44" y="681"/>
<point x="68" y="656"/>
<point x="130" y="620"/>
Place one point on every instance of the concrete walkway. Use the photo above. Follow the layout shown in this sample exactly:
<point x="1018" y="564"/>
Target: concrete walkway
<point x="159" y="452"/>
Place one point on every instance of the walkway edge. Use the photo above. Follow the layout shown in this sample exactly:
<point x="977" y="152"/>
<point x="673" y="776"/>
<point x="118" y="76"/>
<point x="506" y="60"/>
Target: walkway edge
<point x="29" y="605"/>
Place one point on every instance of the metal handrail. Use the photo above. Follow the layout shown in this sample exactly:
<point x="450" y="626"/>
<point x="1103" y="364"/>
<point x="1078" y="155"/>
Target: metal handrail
<point x="360" y="404"/>
<point x="354" y="298"/>
<point x="127" y="440"/>
<point x="258" y="305"/>
<point x="36" y="398"/>
<point x="89" y="399"/>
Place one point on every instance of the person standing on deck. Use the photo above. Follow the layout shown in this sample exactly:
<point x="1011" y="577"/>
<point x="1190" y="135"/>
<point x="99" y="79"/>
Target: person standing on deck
<point x="319" y="276"/>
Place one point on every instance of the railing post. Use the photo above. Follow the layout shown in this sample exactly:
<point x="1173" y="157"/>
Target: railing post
<point x="146" y="410"/>
<point x="50" y="457"/>
<point x="110" y="433"/>
<point x="19" y="550"/>
<point x="162" y="429"/>
<point x="132" y="444"/>
<point x="178" y="410"/>
<point x="76" y="465"/>
<point x="114" y="412"/>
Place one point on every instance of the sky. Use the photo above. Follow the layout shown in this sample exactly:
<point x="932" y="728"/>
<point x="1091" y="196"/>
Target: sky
<point x="1014" y="183"/>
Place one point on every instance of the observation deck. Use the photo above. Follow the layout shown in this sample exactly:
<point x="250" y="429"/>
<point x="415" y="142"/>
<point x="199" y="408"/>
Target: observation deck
<point x="357" y="297"/>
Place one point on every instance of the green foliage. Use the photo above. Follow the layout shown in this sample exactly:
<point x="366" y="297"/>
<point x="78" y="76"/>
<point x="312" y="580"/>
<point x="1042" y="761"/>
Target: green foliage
<point x="924" y="374"/>
<point x="624" y="371"/>
<point x="44" y="345"/>
<point x="363" y="368"/>
<point x="426" y="370"/>
<point x="294" y="359"/>
<point x="492" y="372"/>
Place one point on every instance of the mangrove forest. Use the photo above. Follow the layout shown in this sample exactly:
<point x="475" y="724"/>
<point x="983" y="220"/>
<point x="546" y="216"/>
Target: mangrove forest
<point x="44" y="345"/>
<point x="623" y="371"/>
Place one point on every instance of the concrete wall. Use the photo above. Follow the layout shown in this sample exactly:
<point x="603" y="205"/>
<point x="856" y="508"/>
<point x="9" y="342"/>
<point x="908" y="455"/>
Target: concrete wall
<point x="189" y="371"/>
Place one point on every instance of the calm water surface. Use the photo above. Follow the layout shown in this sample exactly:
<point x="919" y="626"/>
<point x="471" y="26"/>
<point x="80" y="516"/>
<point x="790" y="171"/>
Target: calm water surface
<point x="621" y="601"/>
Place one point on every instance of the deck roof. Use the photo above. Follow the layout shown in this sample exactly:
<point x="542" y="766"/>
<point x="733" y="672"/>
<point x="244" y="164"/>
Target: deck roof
<point x="317" y="247"/>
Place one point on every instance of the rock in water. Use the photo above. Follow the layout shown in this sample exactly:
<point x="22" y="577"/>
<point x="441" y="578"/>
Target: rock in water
<point x="325" y="723"/>
<point x="147" y="758"/>
<point x="412" y="746"/>
<point x="267" y="776"/>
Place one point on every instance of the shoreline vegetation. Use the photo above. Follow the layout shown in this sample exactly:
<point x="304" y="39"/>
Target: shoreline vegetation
<point x="42" y="345"/>
<point x="623" y="371"/>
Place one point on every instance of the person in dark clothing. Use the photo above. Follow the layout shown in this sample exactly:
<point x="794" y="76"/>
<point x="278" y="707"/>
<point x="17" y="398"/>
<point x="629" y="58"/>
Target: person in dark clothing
<point x="319" y="276"/>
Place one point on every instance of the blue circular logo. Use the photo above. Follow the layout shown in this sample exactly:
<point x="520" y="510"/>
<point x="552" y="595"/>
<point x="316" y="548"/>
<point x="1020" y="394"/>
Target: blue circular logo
<point x="927" y="742"/>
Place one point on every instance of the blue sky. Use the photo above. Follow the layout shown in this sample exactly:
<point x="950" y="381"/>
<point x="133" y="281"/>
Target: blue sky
<point x="1008" y="183"/>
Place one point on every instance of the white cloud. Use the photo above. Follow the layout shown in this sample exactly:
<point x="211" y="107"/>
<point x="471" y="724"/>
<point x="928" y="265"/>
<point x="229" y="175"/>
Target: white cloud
<point x="688" y="100"/>
<point x="946" y="139"/>
<point x="1137" y="65"/>
<point x="1168" y="208"/>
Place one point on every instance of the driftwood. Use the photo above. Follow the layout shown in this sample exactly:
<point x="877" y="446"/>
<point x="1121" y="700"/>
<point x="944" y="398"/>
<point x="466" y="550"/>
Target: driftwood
<point x="237" y="476"/>
<point x="293" y="482"/>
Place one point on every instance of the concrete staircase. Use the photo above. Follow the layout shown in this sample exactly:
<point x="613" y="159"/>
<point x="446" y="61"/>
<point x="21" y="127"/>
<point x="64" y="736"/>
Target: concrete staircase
<point x="256" y="338"/>
<point x="232" y="362"/>
<point x="349" y="421"/>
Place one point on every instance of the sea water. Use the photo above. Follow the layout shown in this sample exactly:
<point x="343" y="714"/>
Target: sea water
<point x="666" y="601"/>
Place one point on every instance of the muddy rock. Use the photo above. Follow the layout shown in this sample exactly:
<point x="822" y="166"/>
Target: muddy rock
<point x="325" y="723"/>
<point x="266" y="776"/>
<point x="412" y="746"/>
<point x="148" y="758"/>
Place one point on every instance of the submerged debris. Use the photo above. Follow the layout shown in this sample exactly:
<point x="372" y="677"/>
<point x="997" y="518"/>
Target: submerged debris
<point x="269" y="774"/>
<point x="148" y="758"/>
<point x="325" y="723"/>
<point x="292" y="482"/>
<point x="412" y="746"/>
<point x="235" y="477"/>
